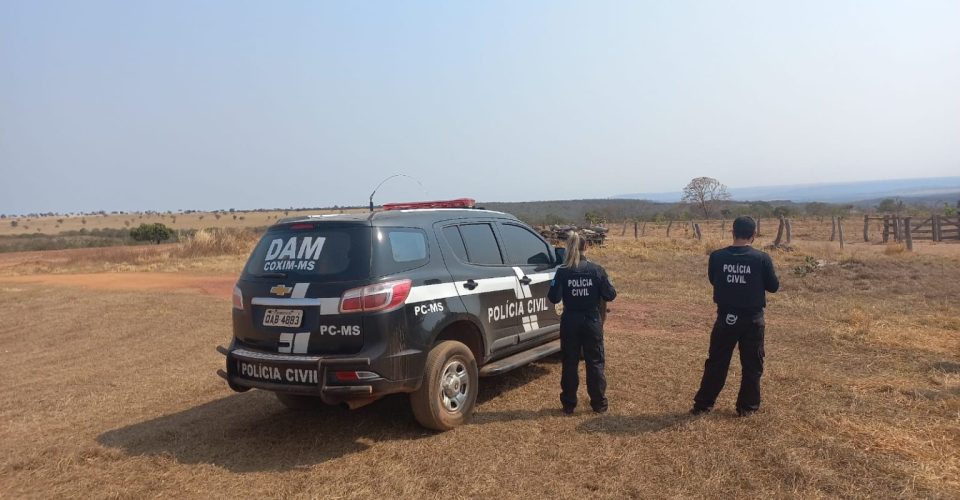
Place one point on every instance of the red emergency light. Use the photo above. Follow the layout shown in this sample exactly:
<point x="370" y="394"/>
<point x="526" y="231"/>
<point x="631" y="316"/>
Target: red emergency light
<point x="458" y="203"/>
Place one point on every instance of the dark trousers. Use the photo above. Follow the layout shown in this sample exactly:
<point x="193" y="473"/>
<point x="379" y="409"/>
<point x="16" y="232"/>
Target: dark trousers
<point x="729" y="330"/>
<point x="582" y="332"/>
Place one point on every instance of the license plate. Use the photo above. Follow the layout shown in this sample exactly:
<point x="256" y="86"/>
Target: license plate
<point x="283" y="317"/>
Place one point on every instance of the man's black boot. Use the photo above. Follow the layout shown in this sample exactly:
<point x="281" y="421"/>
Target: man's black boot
<point x="699" y="410"/>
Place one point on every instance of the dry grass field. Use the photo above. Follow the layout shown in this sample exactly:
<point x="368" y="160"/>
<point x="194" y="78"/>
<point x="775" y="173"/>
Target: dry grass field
<point x="55" y="224"/>
<point x="109" y="389"/>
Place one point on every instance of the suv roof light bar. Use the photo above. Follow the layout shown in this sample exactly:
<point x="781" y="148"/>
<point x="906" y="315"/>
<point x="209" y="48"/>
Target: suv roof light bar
<point x="457" y="203"/>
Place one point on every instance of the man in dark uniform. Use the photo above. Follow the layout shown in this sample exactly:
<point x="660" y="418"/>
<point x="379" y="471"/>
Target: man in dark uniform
<point x="741" y="276"/>
<point x="583" y="287"/>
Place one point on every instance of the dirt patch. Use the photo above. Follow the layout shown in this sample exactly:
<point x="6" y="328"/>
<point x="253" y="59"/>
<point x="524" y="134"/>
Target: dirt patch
<point x="220" y="286"/>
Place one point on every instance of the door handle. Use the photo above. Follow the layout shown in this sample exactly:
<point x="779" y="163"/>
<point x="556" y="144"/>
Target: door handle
<point x="526" y="280"/>
<point x="470" y="284"/>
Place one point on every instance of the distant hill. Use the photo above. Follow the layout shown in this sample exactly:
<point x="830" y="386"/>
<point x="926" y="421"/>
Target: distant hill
<point x="930" y="190"/>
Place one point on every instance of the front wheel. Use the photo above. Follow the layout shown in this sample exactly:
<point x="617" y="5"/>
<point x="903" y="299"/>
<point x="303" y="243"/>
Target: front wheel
<point x="448" y="393"/>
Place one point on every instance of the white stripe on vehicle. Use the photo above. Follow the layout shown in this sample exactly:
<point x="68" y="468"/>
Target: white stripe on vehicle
<point x="530" y="323"/>
<point x="299" y="290"/>
<point x="422" y="293"/>
<point x="437" y="291"/>
<point x="327" y="305"/>
<point x="522" y="291"/>
<point x="425" y="293"/>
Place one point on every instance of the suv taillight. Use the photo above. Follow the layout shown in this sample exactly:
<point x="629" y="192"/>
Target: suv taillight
<point x="237" y="298"/>
<point x="378" y="297"/>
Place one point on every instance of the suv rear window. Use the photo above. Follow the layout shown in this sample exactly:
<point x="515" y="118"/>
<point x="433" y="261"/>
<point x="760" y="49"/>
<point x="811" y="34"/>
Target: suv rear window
<point x="337" y="253"/>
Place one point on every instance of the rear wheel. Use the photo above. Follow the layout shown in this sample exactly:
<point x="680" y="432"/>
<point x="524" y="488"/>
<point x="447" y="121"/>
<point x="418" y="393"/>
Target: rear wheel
<point x="299" y="401"/>
<point x="448" y="393"/>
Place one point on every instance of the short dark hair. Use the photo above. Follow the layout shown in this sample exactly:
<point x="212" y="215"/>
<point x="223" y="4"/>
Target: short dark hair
<point x="744" y="227"/>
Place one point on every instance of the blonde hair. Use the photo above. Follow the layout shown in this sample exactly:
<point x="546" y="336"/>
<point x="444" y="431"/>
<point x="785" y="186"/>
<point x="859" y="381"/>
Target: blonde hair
<point x="576" y="245"/>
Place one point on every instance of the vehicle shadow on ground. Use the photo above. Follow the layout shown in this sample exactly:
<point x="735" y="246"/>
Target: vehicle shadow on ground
<point x="625" y="425"/>
<point x="494" y="387"/>
<point x="253" y="432"/>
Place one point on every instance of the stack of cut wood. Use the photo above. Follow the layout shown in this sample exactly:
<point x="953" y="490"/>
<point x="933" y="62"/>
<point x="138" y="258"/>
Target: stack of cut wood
<point x="556" y="234"/>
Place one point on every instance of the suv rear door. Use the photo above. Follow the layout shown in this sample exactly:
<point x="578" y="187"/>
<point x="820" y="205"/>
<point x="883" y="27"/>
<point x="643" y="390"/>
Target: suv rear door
<point x="487" y="287"/>
<point x="532" y="261"/>
<point x="292" y="284"/>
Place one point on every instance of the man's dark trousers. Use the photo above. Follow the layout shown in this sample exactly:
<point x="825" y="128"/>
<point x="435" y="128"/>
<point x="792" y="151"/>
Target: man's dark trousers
<point x="582" y="331"/>
<point x="730" y="329"/>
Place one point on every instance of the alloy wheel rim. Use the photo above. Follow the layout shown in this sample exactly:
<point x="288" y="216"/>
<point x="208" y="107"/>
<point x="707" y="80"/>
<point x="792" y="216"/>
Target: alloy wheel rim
<point x="454" y="386"/>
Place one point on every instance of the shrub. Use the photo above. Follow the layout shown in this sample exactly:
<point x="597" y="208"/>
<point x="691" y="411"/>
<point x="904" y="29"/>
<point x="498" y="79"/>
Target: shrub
<point x="214" y="242"/>
<point x="151" y="232"/>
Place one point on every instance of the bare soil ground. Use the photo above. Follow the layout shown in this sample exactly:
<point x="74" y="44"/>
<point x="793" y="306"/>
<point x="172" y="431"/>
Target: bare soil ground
<point x="109" y="391"/>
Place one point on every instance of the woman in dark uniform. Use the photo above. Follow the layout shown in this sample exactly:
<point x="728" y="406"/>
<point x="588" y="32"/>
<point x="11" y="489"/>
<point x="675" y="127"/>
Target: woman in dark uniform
<point x="583" y="287"/>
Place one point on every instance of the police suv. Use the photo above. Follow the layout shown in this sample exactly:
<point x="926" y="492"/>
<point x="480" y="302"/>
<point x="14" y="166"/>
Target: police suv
<point x="420" y="298"/>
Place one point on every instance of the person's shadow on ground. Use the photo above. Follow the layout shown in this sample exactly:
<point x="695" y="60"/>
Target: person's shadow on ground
<point x="634" y="424"/>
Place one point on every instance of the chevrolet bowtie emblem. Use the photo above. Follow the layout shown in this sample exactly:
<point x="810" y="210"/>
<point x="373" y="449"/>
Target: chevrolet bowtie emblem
<point x="281" y="290"/>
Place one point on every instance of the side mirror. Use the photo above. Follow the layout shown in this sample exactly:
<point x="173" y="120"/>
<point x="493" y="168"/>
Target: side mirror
<point x="560" y="253"/>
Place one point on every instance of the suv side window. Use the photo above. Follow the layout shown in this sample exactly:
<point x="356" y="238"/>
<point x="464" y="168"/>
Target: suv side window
<point x="523" y="247"/>
<point x="452" y="234"/>
<point x="481" y="244"/>
<point x="399" y="249"/>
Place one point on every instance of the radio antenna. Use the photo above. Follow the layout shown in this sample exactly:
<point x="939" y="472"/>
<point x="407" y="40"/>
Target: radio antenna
<point x="392" y="177"/>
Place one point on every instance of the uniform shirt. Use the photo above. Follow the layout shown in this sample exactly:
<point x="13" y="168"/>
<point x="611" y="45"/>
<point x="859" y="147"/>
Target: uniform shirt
<point x="581" y="288"/>
<point x="740" y="277"/>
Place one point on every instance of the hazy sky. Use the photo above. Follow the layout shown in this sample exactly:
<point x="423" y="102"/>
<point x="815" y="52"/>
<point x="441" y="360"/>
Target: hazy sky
<point x="204" y="104"/>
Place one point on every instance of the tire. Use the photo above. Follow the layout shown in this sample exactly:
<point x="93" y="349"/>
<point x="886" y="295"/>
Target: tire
<point x="448" y="393"/>
<point x="299" y="402"/>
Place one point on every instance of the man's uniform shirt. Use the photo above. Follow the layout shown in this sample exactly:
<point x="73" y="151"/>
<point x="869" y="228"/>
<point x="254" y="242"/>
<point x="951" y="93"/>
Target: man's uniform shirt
<point x="740" y="277"/>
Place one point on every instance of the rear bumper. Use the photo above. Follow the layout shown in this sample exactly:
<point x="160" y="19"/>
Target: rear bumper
<point x="319" y="383"/>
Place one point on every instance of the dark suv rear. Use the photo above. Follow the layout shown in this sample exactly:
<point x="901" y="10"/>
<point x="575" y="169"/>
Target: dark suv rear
<point x="348" y="308"/>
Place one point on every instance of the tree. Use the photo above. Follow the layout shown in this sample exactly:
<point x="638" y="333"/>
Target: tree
<point x="552" y="219"/>
<point x="151" y="232"/>
<point x="594" y="219"/>
<point x="781" y="211"/>
<point x="817" y="209"/>
<point x="705" y="192"/>
<point x="890" y="205"/>
<point x="14" y="223"/>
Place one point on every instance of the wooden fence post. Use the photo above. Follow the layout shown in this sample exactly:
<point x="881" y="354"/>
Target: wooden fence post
<point x="789" y="227"/>
<point x="866" y="228"/>
<point x="634" y="229"/>
<point x="624" y="232"/>
<point x="909" y="233"/>
<point x="758" y="227"/>
<point x="643" y="230"/>
<point x="936" y="227"/>
<point x="840" y="231"/>
<point x="886" y="228"/>
<point x="776" y="242"/>
<point x="897" y="229"/>
<point x="833" y="228"/>
<point x="668" y="228"/>
<point x="696" y="231"/>
<point x="723" y="227"/>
